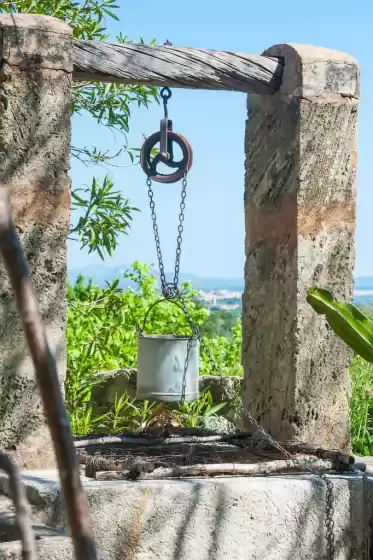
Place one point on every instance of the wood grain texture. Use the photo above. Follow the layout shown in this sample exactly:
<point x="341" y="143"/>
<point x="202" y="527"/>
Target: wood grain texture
<point x="176" y="67"/>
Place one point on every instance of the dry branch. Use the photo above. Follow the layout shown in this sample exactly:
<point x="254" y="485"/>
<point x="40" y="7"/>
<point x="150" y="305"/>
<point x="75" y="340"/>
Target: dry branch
<point x="294" y="447"/>
<point x="107" y="440"/>
<point x="238" y="442"/>
<point x="141" y="440"/>
<point x="78" y="516"/>
<point x="97" y="61"/>
<point x="271" y="467"/>
<point x="21" y="505"/>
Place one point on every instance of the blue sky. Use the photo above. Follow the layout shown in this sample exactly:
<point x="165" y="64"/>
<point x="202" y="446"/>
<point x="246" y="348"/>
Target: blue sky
<point x="214" y="123"/>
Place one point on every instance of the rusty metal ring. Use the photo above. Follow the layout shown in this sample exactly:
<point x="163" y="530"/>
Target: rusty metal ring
<point x="150" y="165"/>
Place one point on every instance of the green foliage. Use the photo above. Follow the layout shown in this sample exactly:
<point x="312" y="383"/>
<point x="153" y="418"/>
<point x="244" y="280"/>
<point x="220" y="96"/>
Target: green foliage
<point x="193" y="414"/>
<point x="356" y="330"/>
<point x="129" y="415"/>
<point x="109" y="105"/>
<point x="219" y="324"/>
<point x="102" y="335"/>
<point x="106" y="215"/>
<point x="361" y="407"/>
<point x="226" y="353"/>
<point x="346" y="320"/>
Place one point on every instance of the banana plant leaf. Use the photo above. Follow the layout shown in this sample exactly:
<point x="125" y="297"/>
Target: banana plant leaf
<point x="346" y="320"/>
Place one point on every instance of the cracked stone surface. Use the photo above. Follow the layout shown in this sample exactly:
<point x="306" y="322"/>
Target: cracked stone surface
<point x="271" y="518"/>
<point x="300" y="197"/>
<point x="35" y="114"/>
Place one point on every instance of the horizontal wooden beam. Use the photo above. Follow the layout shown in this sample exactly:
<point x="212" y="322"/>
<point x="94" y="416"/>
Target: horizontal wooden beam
<point x="96" y="61"/>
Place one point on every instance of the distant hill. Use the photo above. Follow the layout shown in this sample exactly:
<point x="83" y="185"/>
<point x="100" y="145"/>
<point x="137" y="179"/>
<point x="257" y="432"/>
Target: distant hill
<point x="100" y="274"/>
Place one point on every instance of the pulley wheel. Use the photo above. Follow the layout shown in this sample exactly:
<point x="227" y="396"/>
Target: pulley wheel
<point x="150" y="164"/>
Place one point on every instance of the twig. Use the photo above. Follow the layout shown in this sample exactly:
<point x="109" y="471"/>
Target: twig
<point x="270" y="467"/>
<point x="22" y="507"/>
<point x="242" y="440"/>
<point x="78" y="516"/>
<point x="279" y="466"/>
<point x="110" y="440"/>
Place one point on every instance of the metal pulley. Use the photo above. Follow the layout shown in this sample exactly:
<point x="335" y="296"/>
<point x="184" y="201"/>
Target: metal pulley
<point x="166" y="138"/>
<point x="168" y="365"/>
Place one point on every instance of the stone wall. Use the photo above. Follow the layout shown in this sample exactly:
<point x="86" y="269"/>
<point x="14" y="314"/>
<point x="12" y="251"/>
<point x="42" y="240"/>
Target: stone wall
<point x="258" y="518"/>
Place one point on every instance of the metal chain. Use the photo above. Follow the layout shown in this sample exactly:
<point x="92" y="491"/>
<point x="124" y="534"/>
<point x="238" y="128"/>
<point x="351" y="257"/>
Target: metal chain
<point x="329" y="517"/>
<point x="169" y="290"/>
<point x="180" y="230"/>
<point x="186" y="364"/>
<point x="156" y="233"/>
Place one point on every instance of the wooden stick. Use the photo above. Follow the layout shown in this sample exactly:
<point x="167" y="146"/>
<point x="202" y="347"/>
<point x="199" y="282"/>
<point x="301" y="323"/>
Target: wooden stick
<point x="243" y="439"/>
<point x="96" y="61"/>
<point x="270" y="467"/>
<point x="112" y="440"/>
<point x="21" y="505"/>
<point x="302" y="447"/>
<point x="78" y="516"/>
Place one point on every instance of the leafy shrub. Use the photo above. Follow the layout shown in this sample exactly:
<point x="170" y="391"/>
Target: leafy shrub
<point x="102" y="331"/>
<point x="355" y="328"/>
<point x="102" y="335"/>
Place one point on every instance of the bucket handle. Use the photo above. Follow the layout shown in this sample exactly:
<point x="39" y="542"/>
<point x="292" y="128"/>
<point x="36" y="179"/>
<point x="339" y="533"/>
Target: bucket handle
<point x="195" y="331"/>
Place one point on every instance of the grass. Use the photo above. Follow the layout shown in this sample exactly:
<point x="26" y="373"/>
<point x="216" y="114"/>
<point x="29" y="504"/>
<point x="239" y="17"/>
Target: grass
<point x="361" y="407"/>
<point x="129" y="415"/>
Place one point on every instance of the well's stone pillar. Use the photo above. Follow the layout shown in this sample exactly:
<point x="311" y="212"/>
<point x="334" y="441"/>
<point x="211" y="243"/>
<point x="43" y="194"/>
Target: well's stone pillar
<point x="35" y="113"/>
<point x="300" y="223"/>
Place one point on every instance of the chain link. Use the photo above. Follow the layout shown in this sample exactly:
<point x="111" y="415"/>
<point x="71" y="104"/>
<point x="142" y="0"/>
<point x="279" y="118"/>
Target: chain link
<point x="329" y="513"/>
<point x="170" y="291"/>
<point x="186" y="365"/>
<point x="156" y="233"/>
<point x="180" y="231"/>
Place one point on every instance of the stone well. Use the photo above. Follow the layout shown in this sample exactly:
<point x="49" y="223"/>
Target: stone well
<point x="200" y="519"/>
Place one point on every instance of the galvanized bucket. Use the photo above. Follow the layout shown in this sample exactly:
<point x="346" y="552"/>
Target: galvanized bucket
<point x="168" y="366"/>
<point x="161" y="372"/>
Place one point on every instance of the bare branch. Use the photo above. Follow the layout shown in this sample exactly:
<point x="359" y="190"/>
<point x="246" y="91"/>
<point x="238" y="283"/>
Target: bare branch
<point x="270" y="467"/>
<point x="78" y="516"/>
<point x="22" y="507"/>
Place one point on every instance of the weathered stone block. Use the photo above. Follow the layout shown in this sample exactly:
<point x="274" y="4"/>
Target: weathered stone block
<point x="259" y="518"/>
<point x="300" y="224"/>
<point x="108" y="384"/>
<point x="35" y="114"/>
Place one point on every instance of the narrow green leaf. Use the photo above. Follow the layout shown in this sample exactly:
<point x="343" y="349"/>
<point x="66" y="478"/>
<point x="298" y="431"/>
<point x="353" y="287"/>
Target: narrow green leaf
<point x="346" y="320"/>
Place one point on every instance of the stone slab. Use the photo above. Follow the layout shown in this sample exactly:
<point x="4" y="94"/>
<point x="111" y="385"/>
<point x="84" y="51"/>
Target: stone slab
<point x="266" y="518"/>
<point x="48" y="548"/>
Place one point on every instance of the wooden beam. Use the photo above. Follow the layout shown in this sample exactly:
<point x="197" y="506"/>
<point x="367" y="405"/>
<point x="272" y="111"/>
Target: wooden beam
<point x="96" y="61"/>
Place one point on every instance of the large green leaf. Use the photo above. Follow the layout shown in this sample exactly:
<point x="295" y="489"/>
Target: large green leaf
<point x="346" y="320"/>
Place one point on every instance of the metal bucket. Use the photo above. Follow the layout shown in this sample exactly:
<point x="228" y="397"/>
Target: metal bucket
<point x="161" y="368"/>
